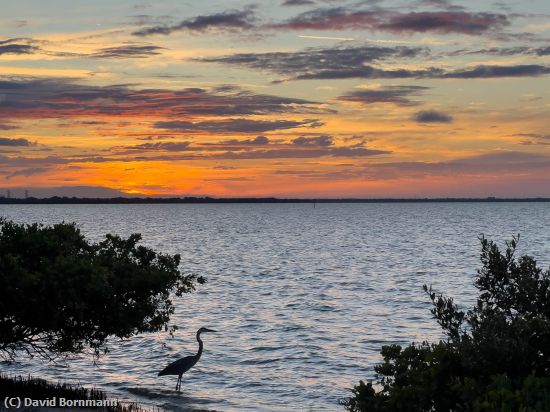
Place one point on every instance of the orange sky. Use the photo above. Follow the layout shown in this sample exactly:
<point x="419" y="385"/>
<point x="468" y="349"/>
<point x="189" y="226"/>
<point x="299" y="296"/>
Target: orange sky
<point x="295" y="99"/>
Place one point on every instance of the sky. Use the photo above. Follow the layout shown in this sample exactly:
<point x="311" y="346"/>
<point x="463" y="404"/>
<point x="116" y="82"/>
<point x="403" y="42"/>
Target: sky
<point x="289" y="98"/>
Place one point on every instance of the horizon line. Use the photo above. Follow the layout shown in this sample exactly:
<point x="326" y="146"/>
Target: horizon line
<point x="210" y="199"/>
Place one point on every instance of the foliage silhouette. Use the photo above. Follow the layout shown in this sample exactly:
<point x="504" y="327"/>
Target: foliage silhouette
<point x="496" y="356"/>
<point x="61" y="294"/>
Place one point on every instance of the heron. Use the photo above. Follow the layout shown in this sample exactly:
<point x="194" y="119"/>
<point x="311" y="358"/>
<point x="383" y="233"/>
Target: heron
<point x="182" y="365"/>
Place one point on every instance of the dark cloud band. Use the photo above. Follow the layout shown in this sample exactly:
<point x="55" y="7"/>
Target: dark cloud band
<point x="357" y="62"/>
<point x="237" y="125"/>
<point x="398" y="95"/>
<point x="343" y="18"/>
<point x="52" y="98"/>
<point x="230" y="20"/>
<point x="432" y="116"/>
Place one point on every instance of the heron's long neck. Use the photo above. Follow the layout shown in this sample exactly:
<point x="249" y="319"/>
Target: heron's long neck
<point x="199" y="353"/>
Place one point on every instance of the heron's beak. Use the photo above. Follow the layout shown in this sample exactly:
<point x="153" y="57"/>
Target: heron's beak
<point x="209" y="330"/>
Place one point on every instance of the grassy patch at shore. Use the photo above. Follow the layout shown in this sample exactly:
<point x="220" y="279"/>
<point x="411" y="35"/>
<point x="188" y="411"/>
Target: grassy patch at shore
<point x="39" y="389"/>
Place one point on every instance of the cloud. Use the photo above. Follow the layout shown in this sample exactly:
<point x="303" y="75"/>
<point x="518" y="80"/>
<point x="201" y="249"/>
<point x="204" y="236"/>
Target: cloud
<point x="302" y="153"/>
<point x="441" y="4"/>
<point x="320" y="175"/>
<point x="319" y="141"/>
<point x="356" y="62"/>
<point x="75" y="191"/>
<point x="317" y="60"/>
<point x="445" y="22"/>
<point x="17" y="46"/>
<point x="297" y="3"/>
<point x="487" y="165"/>
<point x="28" y="172"/>
<point x="17" y="49"/>
<point x="478" y="72"/>
<point x="486" y="72"/>
<point x="534" y="138"/>
<point x="502" y="51"/>
<point x="491" y="163"/>
<point x="54" y="98"/>
<point x="300" y="148"/>
<point x="5" y="141"/>
<point x="370" y="72"/>
<point x="336" y="18"/>
<point x="258" y="140"/>
<point x="230" y="179"/>
<point x="398" y="95"/>
<point x="157" y="146"/>
<point x="128" y="51"/>
<point x="452" y="19"/>
<point x="23" y="161"/>
<point x="230" y="20"/>
<point x="236" y="125"/>
<point x="150" y="20"/>
<point x="26" y="45"/>
<point x="432" y="116"/>
<point x="257" y="148"/>
<point x="344" y="18"/>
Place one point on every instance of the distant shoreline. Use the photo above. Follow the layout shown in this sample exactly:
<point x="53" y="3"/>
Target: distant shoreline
<point x="236" y="200"/>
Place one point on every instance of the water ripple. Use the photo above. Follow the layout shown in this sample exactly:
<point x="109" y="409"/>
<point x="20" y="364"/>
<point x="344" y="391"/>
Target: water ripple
<point x="303" y="298"/>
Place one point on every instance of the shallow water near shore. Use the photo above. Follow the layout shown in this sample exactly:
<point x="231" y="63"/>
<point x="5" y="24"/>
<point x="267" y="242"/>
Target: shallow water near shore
<point x="303" y="298"/>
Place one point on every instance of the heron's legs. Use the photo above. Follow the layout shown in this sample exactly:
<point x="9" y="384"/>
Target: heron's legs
<point x="178" y="384"/>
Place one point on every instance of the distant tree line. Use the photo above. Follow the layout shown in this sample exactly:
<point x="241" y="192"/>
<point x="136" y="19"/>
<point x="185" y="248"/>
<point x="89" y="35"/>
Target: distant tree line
<point x="191" y="200"/>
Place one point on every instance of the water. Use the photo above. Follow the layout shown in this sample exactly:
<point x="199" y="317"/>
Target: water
<point x="303" y="298"/>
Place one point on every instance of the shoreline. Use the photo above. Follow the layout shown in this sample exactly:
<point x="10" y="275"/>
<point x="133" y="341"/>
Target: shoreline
<point x="36" y="394"/>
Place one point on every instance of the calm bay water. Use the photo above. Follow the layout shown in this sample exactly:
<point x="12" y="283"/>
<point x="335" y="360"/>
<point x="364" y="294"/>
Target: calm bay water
<point x="302" y="297"/>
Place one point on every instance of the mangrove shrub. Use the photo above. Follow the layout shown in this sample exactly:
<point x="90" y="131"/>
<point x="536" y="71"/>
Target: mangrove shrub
<point x="496" y="356"/>
<point x="61" y="293"/>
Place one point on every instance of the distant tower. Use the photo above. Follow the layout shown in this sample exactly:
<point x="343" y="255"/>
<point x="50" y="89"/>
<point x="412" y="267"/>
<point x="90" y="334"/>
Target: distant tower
<point x="26" y="194"/>
<point x="9" y="193"/>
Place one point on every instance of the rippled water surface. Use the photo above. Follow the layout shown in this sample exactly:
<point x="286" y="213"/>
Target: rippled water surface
<point x="303" y="297"/>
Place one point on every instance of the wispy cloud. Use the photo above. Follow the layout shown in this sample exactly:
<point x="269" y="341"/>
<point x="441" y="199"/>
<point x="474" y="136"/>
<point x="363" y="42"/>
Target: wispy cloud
<point x="505" y="51"/>
<point x="5" y="141"/>
<point x="297" y="3"/>
<point x="494" y="71"/>
<point x="51" y="98"/>
<point x="344" y="18"/>
<point x="316" y="141"/>
<point x="358" y="62"/>
<point x="257" y="141"/>
<point x="444" y="22"/>
<point x="128" y="51"/>
<point x="157" y="146"/>
<point x="432" y="116"/>
<point x="498" y="161"/>
<point x="315" y="60"/>
<point x="398" y="95"/>
<point x="230" y="20"/>
<point x="31" y="171"/>
<point x="18" y="46"/>
<point x="534" y="138"/>
<point x="237" y="125"/>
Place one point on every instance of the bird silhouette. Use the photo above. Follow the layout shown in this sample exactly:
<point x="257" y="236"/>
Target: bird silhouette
<point x="182" y="365"/>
